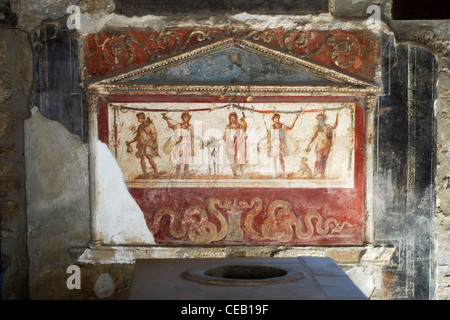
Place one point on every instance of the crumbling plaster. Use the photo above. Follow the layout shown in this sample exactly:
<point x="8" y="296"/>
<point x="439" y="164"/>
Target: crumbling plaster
<point x="435" y="35"/>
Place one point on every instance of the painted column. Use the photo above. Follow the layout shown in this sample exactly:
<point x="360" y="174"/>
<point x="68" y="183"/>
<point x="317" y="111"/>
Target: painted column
<point x="92" y="99"/>
<point x="370" y="103"/>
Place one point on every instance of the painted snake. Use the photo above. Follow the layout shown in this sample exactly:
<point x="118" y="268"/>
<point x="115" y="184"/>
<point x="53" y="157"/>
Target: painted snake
<point x="281" y="220"/>
<point x="194" y="222"/>
<point x="281" y="223"/>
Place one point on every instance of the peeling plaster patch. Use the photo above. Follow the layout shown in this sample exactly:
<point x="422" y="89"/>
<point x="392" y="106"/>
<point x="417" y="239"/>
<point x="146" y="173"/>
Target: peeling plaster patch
<point x="121" y="255"/>
<point x="362" y="279"/>
<point x="85" y="257"/>
<point x="121" y="219"/>
<point x="324" y="21"/>
<point x="31" y="13"/>
<point x="378" y="255"/>
<point x="57" y="200"/>
<point x="61" y="194"/>
<point x="109" y="255"/>
<point x="269" y="22"/>
<point x="92" y="23"/>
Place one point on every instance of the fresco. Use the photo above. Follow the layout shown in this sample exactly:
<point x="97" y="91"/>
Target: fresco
<point x="238" y="137"/>
<point x="231" y="145"/>
<point x="210" y="171"/>
<point x="354" y="52"/>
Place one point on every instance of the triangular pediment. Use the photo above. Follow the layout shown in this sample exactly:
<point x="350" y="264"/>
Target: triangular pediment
<point x="233" y="62"/>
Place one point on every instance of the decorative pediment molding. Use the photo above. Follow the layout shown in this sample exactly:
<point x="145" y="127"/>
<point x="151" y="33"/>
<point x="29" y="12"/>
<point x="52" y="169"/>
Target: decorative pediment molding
<point x="272" y="71"/>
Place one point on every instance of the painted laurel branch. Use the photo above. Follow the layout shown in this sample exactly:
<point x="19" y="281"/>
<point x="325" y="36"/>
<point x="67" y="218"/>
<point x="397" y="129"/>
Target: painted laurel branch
<point x="281" y="224"/>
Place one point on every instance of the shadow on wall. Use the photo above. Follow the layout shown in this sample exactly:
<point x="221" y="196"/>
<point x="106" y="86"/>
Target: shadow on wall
<point x="1" y="268"/>
<point x="144" y="7"/>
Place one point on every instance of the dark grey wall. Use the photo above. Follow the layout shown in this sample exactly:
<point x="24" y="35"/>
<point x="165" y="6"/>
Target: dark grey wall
<point x="15" y="82"/>
<point x="404" y="165"/>
<point x="143" y="7"/>
<point x="59" y="94"/>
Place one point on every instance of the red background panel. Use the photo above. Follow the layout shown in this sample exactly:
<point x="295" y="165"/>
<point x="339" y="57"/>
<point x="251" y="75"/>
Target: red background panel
<point x="350" y="52"/>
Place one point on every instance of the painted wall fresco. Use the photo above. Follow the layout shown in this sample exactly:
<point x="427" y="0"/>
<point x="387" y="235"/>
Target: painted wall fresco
<point x="319" y="200"/>
<point x="212" y="161"/>
<point x="278" y="145"/>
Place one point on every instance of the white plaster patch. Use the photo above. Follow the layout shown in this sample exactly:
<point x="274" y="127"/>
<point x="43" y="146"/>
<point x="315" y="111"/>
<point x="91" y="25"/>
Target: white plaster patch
<point x="121" y="221"/>
<point x="111" y="255"/>
<point x="323" y="21"/>
<point x="92" y="23"/>
<point x="363" y="280"/>
<point x="86" y="256"/>
<point x="378" y="255"/>
<point x="268" y="22"/>
<point x="122" y="255"/>
<point x="57" y="182"/>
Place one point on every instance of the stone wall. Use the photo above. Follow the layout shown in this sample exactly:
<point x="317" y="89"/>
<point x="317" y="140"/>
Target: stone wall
<point x="44" y="170"/>
<point x="16" y="77"/>
<point x="442" y="216"/>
